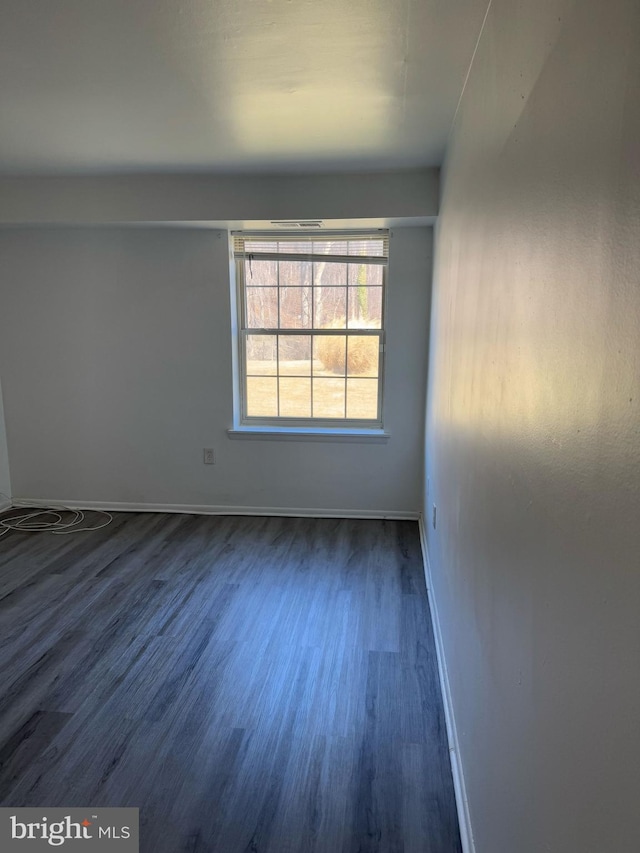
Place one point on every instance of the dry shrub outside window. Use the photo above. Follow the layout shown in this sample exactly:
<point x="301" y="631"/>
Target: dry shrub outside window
<point x="363" y="351"/>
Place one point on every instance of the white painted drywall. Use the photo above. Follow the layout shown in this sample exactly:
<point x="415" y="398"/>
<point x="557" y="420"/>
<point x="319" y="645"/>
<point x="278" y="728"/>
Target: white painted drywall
<point x="5" y="479"/>
<point x="411" y="193"/>
<point x="534" y="428"/>
<point x="227" y="85"/>
<point x="116" y="353"/>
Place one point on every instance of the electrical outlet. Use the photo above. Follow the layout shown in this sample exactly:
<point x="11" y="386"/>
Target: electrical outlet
<point x="434" y="519"/>
<point x="209" y="456"/>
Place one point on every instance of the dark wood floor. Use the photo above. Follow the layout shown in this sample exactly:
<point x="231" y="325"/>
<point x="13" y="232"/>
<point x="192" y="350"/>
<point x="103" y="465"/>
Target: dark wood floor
<point x="251" y="684"/>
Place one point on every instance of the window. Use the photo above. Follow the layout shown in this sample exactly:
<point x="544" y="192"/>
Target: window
<point x="311" y="328"/>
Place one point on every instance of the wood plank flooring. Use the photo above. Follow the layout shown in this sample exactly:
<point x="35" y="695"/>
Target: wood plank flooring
<point x="251" y="684"/>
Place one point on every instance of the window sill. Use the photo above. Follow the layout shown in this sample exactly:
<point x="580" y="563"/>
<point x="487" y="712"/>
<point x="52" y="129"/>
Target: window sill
<point x="361" y="436"/>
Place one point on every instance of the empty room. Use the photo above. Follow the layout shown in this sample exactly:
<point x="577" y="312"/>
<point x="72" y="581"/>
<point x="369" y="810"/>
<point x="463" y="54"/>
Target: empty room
<point x="320" y="426"/>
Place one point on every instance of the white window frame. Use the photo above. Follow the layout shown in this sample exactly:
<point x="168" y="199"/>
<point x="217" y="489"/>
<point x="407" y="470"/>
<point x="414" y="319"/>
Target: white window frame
<point x="244" y="423"/>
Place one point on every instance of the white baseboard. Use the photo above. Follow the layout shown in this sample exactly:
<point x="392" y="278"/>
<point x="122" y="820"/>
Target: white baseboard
<point x="208" y="509"/>
<point x="5" y="504"/>
<point x="462" y="804"/>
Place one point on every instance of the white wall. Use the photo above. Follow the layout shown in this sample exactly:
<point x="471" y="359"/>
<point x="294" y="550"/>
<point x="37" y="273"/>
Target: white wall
<point x="5" y="480"/>
<point x="407" y="194"/>
<point x="116" y="353"/>
<point x="534" y="428"/>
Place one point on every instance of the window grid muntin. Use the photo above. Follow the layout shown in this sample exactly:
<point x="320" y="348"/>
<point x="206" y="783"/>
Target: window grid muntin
<point x="277" y="343"/>
<point x="313" y="324"/>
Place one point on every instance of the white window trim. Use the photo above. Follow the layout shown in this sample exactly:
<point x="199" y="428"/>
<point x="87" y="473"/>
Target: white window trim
<point x="372" y="436"/>
<point x="316" y="429"/>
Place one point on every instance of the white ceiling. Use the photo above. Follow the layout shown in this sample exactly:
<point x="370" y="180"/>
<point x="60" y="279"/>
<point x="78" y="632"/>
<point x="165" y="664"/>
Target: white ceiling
<point x="230" y="85"/>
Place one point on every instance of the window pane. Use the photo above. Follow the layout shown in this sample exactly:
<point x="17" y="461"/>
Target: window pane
<point x="262" y="397"/>
<point x="261" y="273"/>
<point x="362" y="398"/>
<point x="367" y="274"/>
<point x="295" y="355"/>
<point x="329" y="353"/>
<point x="295" y="274"/>
<point x="363" y="354"/>
<point x="262" y="307"/>
<point x="330" y="307"/>
<point x="295" y="308"/>
<point x="328" y="398"/>
<point x="326" y="274"/>
<point x="261" y="355"/>
<point x="295" y="398"/>
<point x="365" y="307"/>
